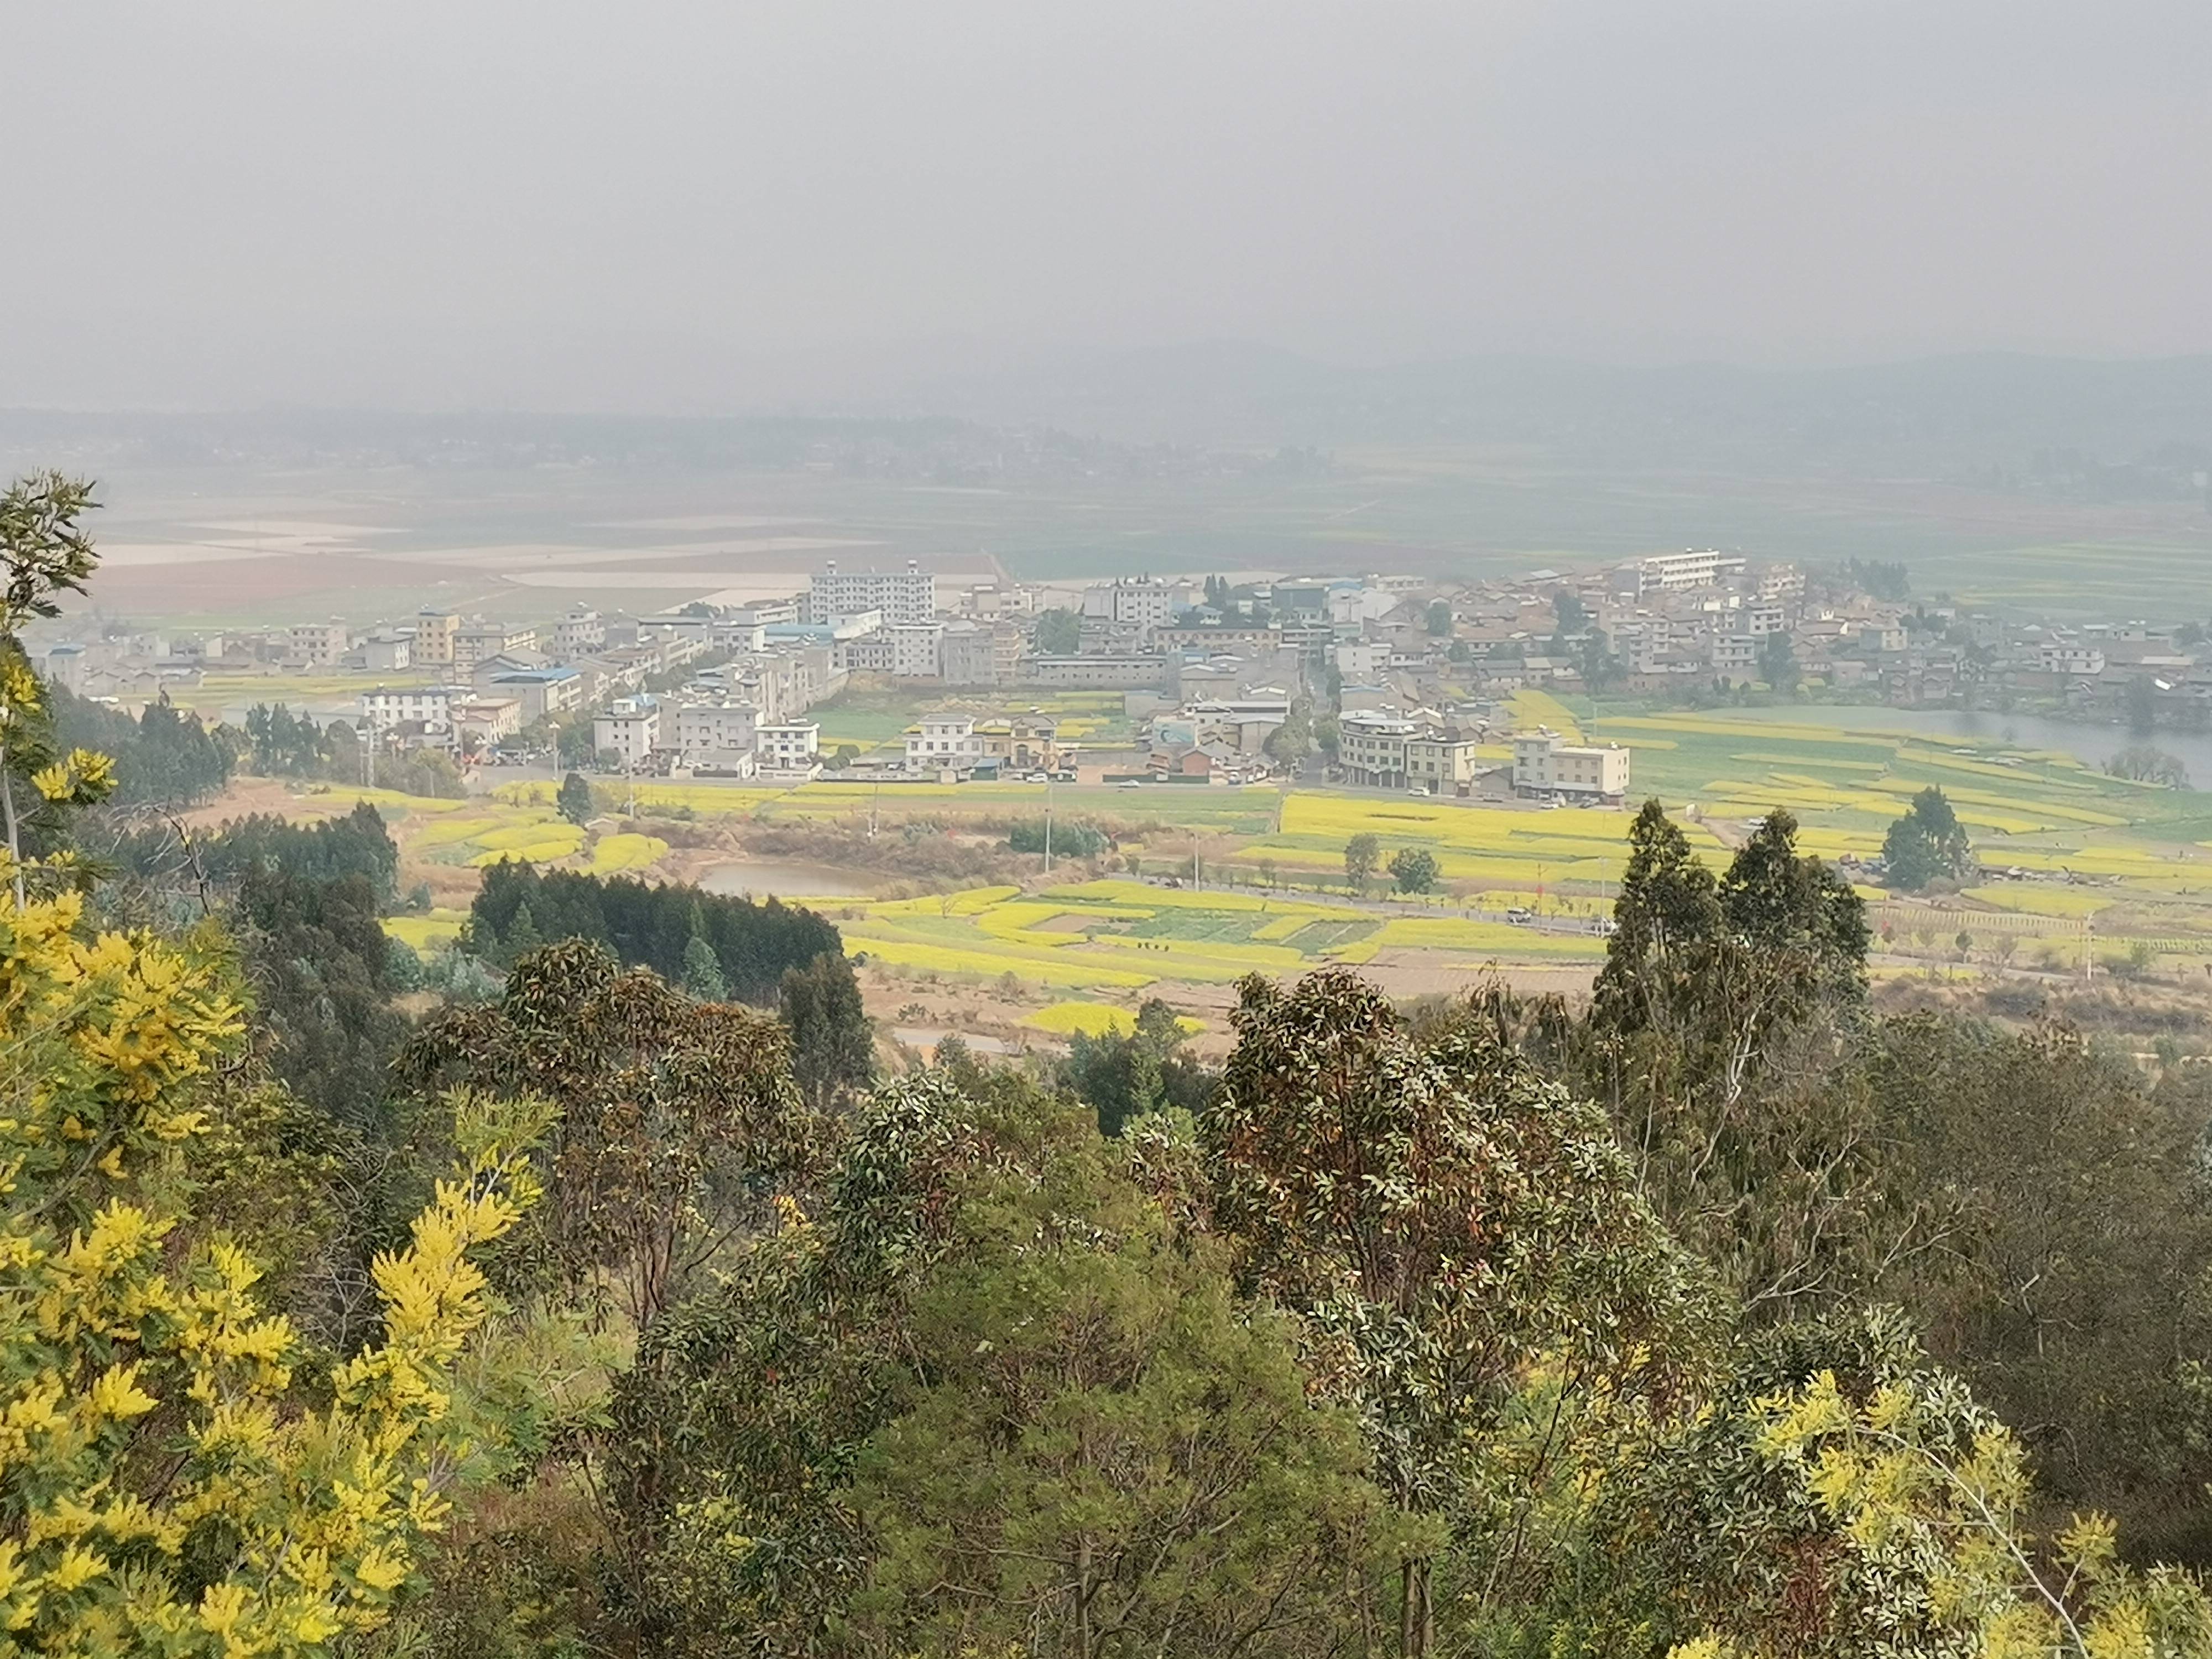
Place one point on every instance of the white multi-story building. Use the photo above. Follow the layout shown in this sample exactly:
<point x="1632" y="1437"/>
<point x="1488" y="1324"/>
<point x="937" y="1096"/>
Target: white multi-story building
<point x="1781" y="581"/>
<point x="717" y="737"/>
<point x="1361" y="660"/>
<point x="2063" y="657"/>
<point x="434" y="634"/>
<point x="578" y="633"/>
<point x="628" y="729"/>
<point x="486" y="720"/>
<point x="1734" y="654"/>
<point x="1670" y="571"/>
<point x="479" y="642"/>
<point x="541" y="691"/>
<point x="1242" y="721"/>
<point x="1131" y="601"/>
<point x="788" y="746"/>
<point x="868" y="653"/>
<point x="1372" y="747"/>
<point x="902" y="596"/>
<point x="1762" y="619"/>
<point x="383" y="653"/>
<point x="320" y="643"/>
<point x="944" y="741"/>
<point x="978" y="653"/>
<point x="1440" y="762"/>
<point x="1546" y="764"/>
<point x="916" y="650"/>
<point x="433" y="705"/>
<point x="730" y="637"/>
<point x="1102" y="673"/>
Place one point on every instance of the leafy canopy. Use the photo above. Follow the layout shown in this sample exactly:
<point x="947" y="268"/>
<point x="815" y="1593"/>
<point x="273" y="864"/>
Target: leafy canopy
<point x="1928" y="844"/>
<point x="164" y="1488"/>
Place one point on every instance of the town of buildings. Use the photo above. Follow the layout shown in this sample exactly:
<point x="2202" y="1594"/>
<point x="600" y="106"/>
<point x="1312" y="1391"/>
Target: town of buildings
<point x="1418" y="671"/>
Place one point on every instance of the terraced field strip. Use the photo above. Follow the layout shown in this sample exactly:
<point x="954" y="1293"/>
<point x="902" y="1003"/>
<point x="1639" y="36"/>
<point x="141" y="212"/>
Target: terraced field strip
<point x="1093" y="1019"/>
<point x="427" y="932"/>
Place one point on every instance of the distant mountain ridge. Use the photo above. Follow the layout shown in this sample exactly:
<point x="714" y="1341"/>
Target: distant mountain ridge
<point x="1966" y="408"/>
<point x="1927" y="416"/>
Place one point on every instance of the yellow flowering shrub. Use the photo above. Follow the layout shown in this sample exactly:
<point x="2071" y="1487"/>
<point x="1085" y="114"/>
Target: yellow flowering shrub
<point x="1934" y="1499"/>
<point x="165" y="1487"/>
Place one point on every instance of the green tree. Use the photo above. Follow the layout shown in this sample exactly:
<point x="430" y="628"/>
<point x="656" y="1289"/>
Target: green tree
<point x="1414" y="869"/>
<point x="2074" y="1250"/>
<point x="280" y="744"/>
<point x="1778" y="661"/>
<point x="1069" y="839"/>
<point x="44" y="553"/>
<point x="1667" y="906"/>
<point x="2146" y="764"/>
<point x="166" y="757"/>
<point x="1111" y="1453"/>
<point x="1776" y="898"/>
<point x="1361" y="855"/>
<point x="1441" y="1218"/>
<point x="1927" y="844"/>
<point x="1440" y="617"/>
<point x="677" y="1116"/>
<point x="647" y="924"/>
<point x="1721" y="1036"/>
<point x="833" y="1042"/>
<point x="703" y="972"/>
<point x="993" y="1391"/>
<point x="1059" y="633"/>
<point x="1123" y="1076"/>
<point x="2141" y="700"/>
<point x="1289" y="744"/>
<point x="45" y="550"/>
<point x="575" y="799"/>
<point x="320" y="969"/>
<point x="1596" y="662"/>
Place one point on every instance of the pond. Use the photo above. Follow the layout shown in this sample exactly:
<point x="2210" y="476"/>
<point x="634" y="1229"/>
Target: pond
<point x="789" y="878"/>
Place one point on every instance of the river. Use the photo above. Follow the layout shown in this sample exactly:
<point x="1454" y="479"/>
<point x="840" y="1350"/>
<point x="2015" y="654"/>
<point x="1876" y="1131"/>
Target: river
<point x="2094" y="745"/>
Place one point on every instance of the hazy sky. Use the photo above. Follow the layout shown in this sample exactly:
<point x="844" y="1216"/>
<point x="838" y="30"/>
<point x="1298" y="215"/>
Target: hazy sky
<point x="534" y="202"/>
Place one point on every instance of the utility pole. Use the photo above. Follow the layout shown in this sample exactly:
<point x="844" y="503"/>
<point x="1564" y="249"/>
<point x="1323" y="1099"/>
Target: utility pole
<point x="1047" y="825"/>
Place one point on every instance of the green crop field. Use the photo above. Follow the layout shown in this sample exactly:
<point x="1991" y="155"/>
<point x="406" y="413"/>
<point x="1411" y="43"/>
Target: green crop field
<point x="2123" y="861"/>
<point x="1112" y="934"/>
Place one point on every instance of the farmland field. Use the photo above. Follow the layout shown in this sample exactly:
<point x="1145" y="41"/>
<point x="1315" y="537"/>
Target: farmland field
<point x="1202" y="886"/>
